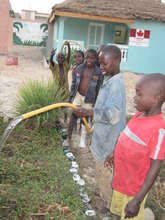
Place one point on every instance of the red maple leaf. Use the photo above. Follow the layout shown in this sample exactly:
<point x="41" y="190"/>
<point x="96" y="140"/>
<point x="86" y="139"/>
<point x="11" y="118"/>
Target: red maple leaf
<point x="140" y="33"/>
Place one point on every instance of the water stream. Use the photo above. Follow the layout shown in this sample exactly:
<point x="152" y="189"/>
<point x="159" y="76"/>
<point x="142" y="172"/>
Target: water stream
<point x="9" y="129"/>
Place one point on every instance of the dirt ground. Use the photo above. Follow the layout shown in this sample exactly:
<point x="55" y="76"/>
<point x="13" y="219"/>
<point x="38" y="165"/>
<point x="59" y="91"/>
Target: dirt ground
<point x="31" y="66"/>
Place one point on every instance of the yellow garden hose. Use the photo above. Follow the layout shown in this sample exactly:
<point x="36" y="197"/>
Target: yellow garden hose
<point x="54" y="106"/>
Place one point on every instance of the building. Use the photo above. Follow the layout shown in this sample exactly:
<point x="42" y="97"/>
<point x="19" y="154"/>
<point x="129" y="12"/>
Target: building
<point x="6" y="23"/>
<point x="137" y="27"/>
<point x="30" y="28"/>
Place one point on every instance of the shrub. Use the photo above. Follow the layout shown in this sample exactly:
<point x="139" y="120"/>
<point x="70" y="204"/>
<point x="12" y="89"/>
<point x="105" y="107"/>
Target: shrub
<point x="37" y="94"/>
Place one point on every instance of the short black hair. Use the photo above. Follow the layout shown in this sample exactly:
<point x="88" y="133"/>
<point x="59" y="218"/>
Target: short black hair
<point x="92" y="51"/>
<point x="158" y="80"/>
<point x="61" y="54"/>
<point x="112" y="50"/>
<point x="79" y="51"/>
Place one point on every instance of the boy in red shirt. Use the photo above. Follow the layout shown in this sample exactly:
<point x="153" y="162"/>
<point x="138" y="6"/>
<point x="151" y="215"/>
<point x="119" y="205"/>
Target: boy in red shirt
<point x="140" y="150"/>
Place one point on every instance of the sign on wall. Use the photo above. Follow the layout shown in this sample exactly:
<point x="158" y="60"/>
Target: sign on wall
<point x="139" y="37"/>
<point x="30" y="33"/>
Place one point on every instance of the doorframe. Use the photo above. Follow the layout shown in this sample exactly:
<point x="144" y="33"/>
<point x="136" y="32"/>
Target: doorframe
<point x="102" y="32"/>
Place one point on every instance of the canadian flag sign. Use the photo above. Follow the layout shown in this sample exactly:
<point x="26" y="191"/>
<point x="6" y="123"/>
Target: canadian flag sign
<point x="139" y="37"/>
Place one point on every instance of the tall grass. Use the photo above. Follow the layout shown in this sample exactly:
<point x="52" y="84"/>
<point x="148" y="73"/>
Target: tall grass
<point x="37" y="94"/>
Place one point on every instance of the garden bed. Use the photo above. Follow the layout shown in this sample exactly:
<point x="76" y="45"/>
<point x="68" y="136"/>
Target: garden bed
<point x="35" y="182"/>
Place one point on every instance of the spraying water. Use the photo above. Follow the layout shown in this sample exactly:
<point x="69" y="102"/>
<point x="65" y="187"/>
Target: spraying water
<point x="18" y="119"/>
<point x="9" y="129"/>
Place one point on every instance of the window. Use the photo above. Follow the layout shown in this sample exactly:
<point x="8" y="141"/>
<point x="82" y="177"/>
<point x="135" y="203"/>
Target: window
<point x="95" y="35"/>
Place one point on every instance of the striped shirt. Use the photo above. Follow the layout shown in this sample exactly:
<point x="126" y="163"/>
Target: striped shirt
<point x="143" y="139"/>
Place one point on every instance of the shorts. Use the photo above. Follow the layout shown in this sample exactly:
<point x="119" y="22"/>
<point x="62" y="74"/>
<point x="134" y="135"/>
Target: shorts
<point x="79" y="100"/>
<point x="119" y="202"/>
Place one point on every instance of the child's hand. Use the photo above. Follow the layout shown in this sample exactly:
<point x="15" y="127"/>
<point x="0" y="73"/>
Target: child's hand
<point x="132" y="209"/>
<point x="53" y="52"/>
<point x="108" y="161"/>
<point x="83" y="112"/>
<point x="79" y="111"/>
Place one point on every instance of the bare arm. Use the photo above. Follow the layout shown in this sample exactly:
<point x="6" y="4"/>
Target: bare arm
<point x="83" y="112"/>
<point x="132" y="208"/>
<point x="68" y="56"/>
<point x="51" y="57"/>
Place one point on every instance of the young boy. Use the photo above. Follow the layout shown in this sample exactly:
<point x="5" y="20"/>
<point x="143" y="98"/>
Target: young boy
<point x="140" y="150"/>
<point x="109" y="117"/>
<point x="85" y="86"/>
<point x="78" y="58"/>
<point x="60" y="69"/>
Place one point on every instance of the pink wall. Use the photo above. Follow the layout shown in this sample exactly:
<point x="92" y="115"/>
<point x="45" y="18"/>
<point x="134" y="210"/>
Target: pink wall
<point x="6" y="27"/>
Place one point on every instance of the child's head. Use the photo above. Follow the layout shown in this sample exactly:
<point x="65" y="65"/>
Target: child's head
<point x="90" y="58"/>
<point x="60" y="58"/>
<point x="78" y="57"/>
<point x="150" y="93"/>
<point x="109" y="59"/>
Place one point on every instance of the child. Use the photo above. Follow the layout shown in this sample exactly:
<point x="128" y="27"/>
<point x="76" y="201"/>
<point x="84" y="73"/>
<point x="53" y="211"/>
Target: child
<point x="109" y="117"/>
<point x="78" y="58"/>
<point x="140" y="150"/>
<point x="85" y="86"/>
<point x="60" y="69"/>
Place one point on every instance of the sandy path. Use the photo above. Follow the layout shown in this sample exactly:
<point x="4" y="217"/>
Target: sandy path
<point x="12" y="77"/>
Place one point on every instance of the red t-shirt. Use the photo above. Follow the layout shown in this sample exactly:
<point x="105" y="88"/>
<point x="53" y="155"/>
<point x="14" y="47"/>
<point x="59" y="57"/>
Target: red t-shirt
<point x="143" y="139"/>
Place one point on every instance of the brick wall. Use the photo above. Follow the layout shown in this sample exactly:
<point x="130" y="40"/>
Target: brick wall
<point x="6" y="28"/>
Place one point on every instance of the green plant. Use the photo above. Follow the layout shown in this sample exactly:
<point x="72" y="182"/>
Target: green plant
<point x="37" y="94"/>
<point x="32" y="43"/>
<point x="35" y="178"/>
<point x="44" y="40"/>
<point x="18" y="25"/>
<point x="44" y="27"/>
<point x="16" y="39"/>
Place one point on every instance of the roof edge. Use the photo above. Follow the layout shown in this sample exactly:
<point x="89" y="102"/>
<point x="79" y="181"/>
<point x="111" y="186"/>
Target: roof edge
<point x="90" y="17"/>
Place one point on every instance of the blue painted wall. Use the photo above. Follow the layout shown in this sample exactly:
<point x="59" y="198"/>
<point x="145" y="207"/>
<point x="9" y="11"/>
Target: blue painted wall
<point x="77" y="29"/>
<point x="139" y="59"/>
<point x="148" y="59"/>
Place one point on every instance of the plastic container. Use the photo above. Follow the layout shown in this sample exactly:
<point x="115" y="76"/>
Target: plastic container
<point x="64" y="134"/>
<point x="85" y="197"/>
<point x="66" y="151"/>
<point x="70" y="156"/>
<point x="73" y="170"/>
<point x="11" y="60"/>
<point x="76" y="177"/>
<point x="74" y="164"/>
<point x="90" y="213"/>
<point x="81" y="182"/>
